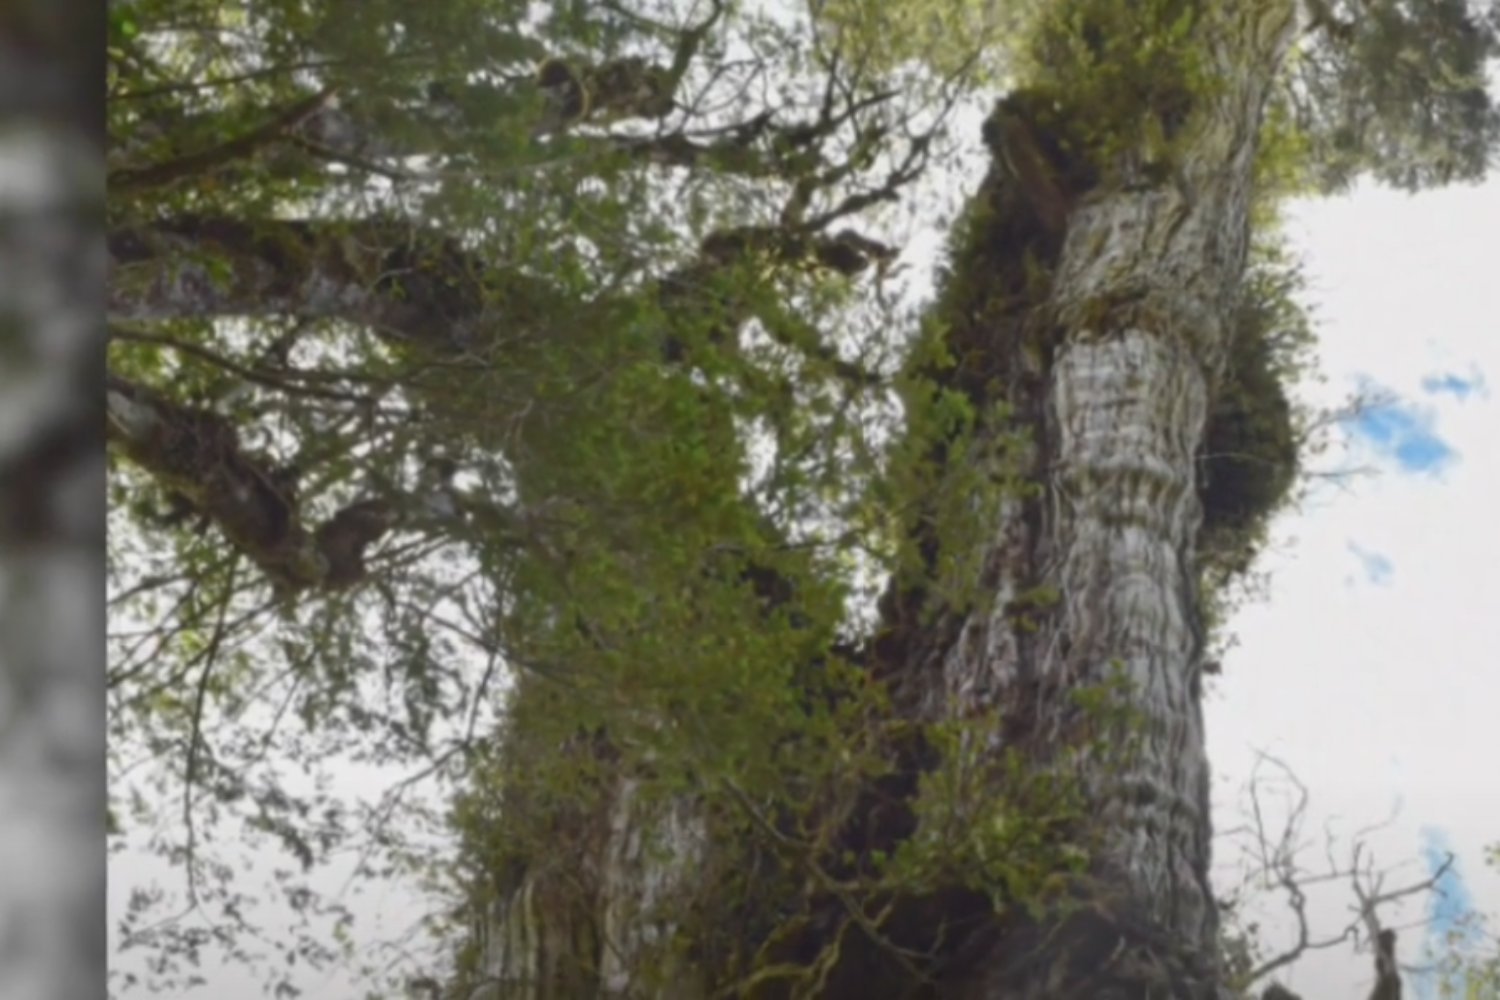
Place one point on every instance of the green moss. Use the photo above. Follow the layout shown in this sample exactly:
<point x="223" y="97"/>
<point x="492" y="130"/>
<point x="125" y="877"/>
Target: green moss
<point x="1126" y="74"/>
<point x="1250" y="458"/>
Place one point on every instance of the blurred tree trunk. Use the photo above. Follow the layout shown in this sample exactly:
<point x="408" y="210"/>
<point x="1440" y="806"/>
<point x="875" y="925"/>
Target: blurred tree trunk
<point x="51" y="501"/>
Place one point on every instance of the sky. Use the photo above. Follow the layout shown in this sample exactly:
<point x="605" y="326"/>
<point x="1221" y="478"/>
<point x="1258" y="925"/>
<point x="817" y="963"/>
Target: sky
<point x="1369" y="668"/>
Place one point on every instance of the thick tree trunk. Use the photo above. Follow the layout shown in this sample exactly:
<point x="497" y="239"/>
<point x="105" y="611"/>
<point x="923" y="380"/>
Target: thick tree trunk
<point x="1132" y="336"/>
<point x="600" y="924"/>
<point x="1139" y="302"/>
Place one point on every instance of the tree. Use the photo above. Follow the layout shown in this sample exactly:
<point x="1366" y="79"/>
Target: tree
<point x="1270" y="866"/>
<point x="455" y="350"/>
<point x="1469" y="966"/>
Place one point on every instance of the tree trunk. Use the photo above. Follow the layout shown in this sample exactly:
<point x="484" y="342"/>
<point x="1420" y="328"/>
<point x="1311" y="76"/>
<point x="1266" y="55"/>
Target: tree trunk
<point x="1110" y="365"/>
<point x="1139" y="305"/>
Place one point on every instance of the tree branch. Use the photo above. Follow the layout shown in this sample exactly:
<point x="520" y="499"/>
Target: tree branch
<point x="208" y="160"/>
<point x="405" y="283"/>
<point x="197" y="453"/>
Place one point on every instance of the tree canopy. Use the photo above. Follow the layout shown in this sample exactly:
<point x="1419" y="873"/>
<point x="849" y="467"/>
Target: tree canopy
<point x="482" y="368"/>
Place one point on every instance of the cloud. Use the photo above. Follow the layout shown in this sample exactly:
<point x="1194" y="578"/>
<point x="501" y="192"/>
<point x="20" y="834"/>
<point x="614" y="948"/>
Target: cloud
<point x="1377" y="567"/>
<point x="1399" y="431"/>
<point x="1460" y="387"/>
<point x="1400" y="285"/>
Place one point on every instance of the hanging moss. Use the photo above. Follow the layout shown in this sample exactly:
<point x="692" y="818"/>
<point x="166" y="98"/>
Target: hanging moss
<point x="1249" y="454"/>
<point x="1249" y="459"/>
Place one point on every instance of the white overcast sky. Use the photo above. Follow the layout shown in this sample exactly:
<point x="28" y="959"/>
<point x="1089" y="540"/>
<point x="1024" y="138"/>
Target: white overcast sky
<point x="1370" y="670"/>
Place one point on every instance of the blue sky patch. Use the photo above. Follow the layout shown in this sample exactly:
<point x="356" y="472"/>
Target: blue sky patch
<point x="1377" y="568"/>
<point x="1399" y="431"/>
<point x="1447" y="906"/>
<point x="1461" y="387"/>
<point x="1452" y="900"/>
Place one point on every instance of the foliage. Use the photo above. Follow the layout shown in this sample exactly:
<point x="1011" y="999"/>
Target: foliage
<point x="603" y="379"/>
<point x="1127" y="73"/>
<point x="1466" y="972"/>
<point x="512" y="396"/>
<point x="1253" y="444"/>
<point x="1396" y="90"/>
<point x="945" y="36"/>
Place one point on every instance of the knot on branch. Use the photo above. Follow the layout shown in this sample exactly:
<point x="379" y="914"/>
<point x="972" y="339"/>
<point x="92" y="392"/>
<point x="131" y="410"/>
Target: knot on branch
<point x="195" y="453"/>
<point x="629" y="87"/>
<point x="845" y="253"/>
<point x="343" y="539"/>
<point x="1051" y="167"/>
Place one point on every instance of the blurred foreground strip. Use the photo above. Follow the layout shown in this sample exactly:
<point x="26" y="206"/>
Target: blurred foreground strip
<point x="51" y="503"/>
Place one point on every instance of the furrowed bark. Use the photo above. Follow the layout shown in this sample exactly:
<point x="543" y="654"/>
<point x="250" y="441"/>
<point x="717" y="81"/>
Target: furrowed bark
<point x="602" y="923"/>
<point x="1110" y="364"/>
<point x="1139" y="334"/>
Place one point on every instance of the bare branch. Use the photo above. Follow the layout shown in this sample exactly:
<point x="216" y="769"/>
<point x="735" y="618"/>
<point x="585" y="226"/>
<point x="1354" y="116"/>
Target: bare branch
<point x="1277" y="863"/>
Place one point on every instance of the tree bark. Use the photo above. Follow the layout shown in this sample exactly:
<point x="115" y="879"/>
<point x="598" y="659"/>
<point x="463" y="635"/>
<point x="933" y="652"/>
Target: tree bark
<point x="1139" y="326"/>
<point x="1132" y="336"/>
<point x="1109" y="364"/>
